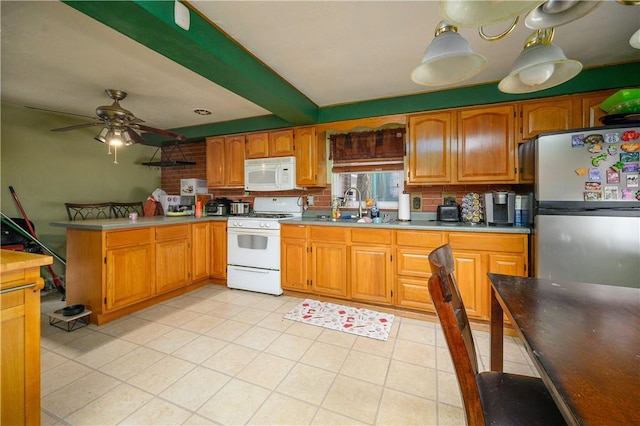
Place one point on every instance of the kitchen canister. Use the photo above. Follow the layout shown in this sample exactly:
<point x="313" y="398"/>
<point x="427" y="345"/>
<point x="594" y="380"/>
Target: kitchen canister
<point x="404" y="207"/>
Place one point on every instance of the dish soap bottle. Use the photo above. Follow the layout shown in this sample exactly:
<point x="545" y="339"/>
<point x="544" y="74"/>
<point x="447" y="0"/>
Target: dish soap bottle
<point x="374" y="210"/>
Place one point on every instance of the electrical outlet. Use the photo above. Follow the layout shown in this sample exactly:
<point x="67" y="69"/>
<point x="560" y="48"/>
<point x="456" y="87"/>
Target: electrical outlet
<point x="310" y="200"/>
<point x="446" y="195"/>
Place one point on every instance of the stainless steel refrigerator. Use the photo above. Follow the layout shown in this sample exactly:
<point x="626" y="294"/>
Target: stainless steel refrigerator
<point x="586" y="204"/>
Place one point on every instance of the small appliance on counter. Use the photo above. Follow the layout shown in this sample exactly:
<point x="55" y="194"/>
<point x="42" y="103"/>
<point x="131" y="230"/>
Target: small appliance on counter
<point x="449" y="211"/>
<point x="177" y="204"/>
<point x="472" y="210"/>
<point x="240" y="208"/>
<point x="500" y="208"/>
<point x="218" y="207"/>
<point x="193" y="186"/>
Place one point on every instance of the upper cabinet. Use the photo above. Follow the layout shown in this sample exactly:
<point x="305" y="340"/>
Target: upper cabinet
<point x="591" y="112"/>
<point x="311" y="162"/>
<point x="270" y="144"/>
<point x="281" y="143"/>
<point x="257" y="145"/>
<point x="225" y="162"/>
<point x="486" y="145"/>
<point x="548" y="115"/>
<point x="429" y="148"/>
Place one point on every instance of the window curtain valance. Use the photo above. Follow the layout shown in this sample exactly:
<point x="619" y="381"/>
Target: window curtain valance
<point x="372" y="150"/>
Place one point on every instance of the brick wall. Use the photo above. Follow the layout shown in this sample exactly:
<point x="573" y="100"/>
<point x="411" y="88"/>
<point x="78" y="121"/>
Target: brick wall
<point x="431" y="195"/>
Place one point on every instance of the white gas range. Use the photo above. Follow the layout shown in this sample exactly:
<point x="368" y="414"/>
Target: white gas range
<point x="253" y="249"/>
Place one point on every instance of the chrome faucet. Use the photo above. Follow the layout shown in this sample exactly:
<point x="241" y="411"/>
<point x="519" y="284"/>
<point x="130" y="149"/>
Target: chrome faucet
<point x="359" y="197"/>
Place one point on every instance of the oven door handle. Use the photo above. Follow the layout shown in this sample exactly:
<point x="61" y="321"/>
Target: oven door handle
<point x="254" y="270"/>
<point x="261" y="232"/>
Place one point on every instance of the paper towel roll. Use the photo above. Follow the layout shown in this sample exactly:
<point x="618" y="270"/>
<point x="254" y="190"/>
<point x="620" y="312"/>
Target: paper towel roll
<point x="404" y="207"/>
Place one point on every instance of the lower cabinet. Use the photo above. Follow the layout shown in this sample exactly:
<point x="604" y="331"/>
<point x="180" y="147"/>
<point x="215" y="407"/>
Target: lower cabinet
<point x="371" y="270"/>
<point x="129" y="269"/>
<point x="391" y="267"/>
<point x="200" y="251"/>
<point x="173" y="257"/>
<point x="329" y="260"/>
<point x="116" y="272"/>
<point x="219" y="249"/>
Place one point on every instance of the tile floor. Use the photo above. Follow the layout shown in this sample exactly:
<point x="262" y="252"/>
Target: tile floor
<point x="227" y="357"/>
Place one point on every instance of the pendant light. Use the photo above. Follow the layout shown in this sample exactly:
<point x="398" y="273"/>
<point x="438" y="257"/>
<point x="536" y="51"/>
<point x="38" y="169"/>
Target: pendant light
<point x="541" y="65"/>
<point x="448" y="59"/>
<point x="480" y="13"/>
<point x="554" y="13"/>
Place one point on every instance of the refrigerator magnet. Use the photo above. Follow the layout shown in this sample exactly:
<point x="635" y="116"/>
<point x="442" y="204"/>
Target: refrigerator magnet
<point x="630" y="157"/>
<point x="612" y="149"/>
<point x="595" y="175"/>
<point x="592" y="186"/>
<point x="612" y="137"/>
<point x="630" y="168"/>
<point x="594" y="139"/>
<point x="610" y="192"/>
<point x="577" y="141"/>
<point x="595" y="161"/>
<point x="613" y="176"/>
<point x="630" y="135"/>
<point x="595" y="148"/>
<point x="632" y="181"/>
<point x="628" y="194"/>
<point x="592" y="195"/>
<point x="582" y="171"/>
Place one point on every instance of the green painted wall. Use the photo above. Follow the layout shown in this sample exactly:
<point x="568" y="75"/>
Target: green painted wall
<point x="48" y="169"/>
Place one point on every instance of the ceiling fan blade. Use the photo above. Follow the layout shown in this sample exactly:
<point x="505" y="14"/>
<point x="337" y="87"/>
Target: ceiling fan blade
<point x="161" y="132"/>
<point x="61" y="112"/>
<point x="135" y="136"/>
<point x="78" y="126"/>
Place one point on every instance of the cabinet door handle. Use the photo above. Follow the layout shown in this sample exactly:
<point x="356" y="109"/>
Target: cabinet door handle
<point x="22" y="287"/>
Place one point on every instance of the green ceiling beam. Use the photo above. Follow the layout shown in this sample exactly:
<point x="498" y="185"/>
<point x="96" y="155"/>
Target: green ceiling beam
<point x="205" y="50"/>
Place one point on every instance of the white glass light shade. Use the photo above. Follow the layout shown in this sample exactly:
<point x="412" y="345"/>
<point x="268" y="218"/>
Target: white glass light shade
<point x="448" y="59"/>
<point x="480" y="13"/>
<point x="535" y="62"/>
<point x="634" y="41"/>
<point x="115" y="138"/>
<point x="554" y="13"/>
<point x="126" y="137"/>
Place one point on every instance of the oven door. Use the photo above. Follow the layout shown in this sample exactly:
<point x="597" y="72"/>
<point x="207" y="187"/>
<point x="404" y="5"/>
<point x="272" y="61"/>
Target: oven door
<point x="255" y="248"/>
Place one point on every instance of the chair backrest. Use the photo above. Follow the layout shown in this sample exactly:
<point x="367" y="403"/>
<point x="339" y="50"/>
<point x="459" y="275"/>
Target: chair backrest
<point x="78" y="211"/>
<point x="123" y="209"/>
<point x="456" y="329"/>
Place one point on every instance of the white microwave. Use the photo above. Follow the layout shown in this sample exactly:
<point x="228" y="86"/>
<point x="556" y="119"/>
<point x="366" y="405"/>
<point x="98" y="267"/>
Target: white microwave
<point x="270" y="174"/>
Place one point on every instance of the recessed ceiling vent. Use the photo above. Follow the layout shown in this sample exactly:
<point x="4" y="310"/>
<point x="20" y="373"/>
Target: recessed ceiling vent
<point x="167" y="158"/>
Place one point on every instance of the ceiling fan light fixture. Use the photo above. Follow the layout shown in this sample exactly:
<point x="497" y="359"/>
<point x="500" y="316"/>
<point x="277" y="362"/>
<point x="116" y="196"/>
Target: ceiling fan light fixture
<point x="115" y="137"/>
<point x="448" y="59"/>
<point x="102" y="136"/>
<point x="481" y="13"/>
<point x="126" y="138"/>
<point x="634" y="41"/>
<point x="541" y="65"/>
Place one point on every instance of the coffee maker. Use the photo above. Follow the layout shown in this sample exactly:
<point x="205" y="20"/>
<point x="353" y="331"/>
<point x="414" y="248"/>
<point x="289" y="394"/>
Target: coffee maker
<point x="500" y="208"/>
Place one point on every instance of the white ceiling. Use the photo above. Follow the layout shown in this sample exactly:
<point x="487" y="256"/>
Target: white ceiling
<point x="334" y="52"/>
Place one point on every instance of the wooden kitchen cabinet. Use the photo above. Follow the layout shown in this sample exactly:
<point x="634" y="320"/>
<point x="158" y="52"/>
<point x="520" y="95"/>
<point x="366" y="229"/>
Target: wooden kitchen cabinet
<point x="329" y="261"/>
<point x="130" y="268"/>
<point x="477" y="254"/>
<point x="413" y="269"/>
<point x="429" y="146"/>
<point x="310" y="153"/>
<point x="548" y="115"/>
<point x="281" y="143"/>
<point x="225" y="162"/>
<point x="257" y="145"/>
<point x="591" y="112"/>
<point x="200" y="251"/>
<point x="219" y="249"/>
<point x="371" y="266"/>
<point x="20" y="283"/>
<point x="486" y="145"/>
<point x="294" y="257"/>
<point x="173" y="257"/>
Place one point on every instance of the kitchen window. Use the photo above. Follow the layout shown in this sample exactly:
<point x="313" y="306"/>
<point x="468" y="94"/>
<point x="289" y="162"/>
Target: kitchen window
<point x="373" y="162"/>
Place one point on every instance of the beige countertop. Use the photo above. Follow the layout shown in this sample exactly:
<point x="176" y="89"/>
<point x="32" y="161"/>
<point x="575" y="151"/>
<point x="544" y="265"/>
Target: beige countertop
<point x="126" y="223"/>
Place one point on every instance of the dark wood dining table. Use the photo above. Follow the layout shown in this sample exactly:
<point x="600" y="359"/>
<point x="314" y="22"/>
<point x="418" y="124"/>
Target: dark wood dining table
<point x="584" y="340"/>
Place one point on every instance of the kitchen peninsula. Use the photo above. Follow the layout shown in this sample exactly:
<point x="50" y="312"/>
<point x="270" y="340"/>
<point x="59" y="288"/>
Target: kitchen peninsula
<point x="119" y="266"/>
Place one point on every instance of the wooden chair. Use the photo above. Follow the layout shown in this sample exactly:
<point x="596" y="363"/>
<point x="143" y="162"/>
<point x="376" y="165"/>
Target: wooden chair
<point x="123" y="209"/>
<point x="79" y="211"/>
<point x="491" y="398"/>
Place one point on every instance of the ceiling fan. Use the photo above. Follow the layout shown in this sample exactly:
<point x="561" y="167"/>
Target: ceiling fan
<point x="120" y="126"/>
